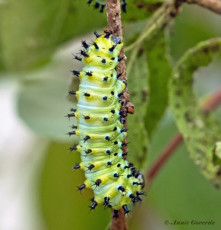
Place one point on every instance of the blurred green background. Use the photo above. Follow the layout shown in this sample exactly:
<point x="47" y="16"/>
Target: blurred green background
<point x="37" y="184"/>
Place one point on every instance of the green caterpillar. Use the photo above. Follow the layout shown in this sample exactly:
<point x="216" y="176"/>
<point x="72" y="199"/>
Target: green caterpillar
<point x="115" y="182"/>
<point x="100" y="4"/>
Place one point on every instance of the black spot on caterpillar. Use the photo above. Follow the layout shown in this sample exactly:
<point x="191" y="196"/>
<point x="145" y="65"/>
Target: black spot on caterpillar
<point x="115" y="182"/>
<point x="100" y="5"/>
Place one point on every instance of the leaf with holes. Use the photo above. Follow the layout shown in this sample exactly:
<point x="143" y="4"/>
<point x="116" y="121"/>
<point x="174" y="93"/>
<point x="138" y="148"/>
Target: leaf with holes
<point x="200" y="130"/>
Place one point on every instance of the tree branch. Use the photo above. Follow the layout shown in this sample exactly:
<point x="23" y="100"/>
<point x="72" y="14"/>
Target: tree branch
<point x="213" y="5"/>
<point x="167" y="152"/>
<point x="115" y="26"/>
<point x="213" y="102"/>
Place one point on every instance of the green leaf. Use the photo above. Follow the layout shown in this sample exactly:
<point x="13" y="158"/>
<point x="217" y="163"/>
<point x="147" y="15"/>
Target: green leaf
<point x="137" y="135"/>
<point x="62" y="205"/>
<point x="188" y="32"/>
<point x="42" y="105"/>
<point x="199" y="129"/>
<point x="2" y="66"/>
<point x="43" y="97"/>
<point x="180" y="184"/>
<point x="217" y="153"/>
<point x="32" y="30"/>
<point x="138" y="10"/>
<point x="159" y="74"/>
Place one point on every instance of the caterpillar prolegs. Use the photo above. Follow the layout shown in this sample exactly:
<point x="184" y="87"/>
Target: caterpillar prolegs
<point x="100" y="129"/>
<point x="100" y="4"/>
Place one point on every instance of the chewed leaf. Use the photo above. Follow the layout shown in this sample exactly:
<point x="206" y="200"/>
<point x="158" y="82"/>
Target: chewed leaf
<point x="199" y="129"/>
<point x="158" y="78"/>
<point x="217" y="153"/>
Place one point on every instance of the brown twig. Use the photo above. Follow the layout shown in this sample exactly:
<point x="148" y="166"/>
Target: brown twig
<point x="169" y="150"/>
<point x="213" y="102"/>
<point x="115" y="26"/>
<point x="213" y="5"/>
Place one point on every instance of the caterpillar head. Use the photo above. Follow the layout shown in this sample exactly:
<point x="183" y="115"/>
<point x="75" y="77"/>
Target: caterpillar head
<point x="104" y="52"/>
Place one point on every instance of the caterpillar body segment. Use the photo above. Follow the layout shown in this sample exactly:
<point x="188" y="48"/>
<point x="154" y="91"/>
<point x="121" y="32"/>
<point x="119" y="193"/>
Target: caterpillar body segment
<point x="100" y="128"/>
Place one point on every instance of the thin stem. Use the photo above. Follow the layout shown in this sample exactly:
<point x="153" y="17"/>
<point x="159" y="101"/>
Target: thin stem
<point x="167" y="152"/>
<point x="115" y="26"/>
<point x="212" y="103"/>
<point x="158" y="21"/>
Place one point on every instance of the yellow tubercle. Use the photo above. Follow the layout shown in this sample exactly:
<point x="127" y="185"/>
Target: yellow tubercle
<point x="99" y="199"/>
<point x="76" y="115"/>
<point x="105" y="178"/>
<point x="111" y="193"/>
<point x="81" y="75"/>
<point x="77" y="131"/>
<point x="82" y="166"/>
<point x="78" y="148"/>
<point x="77" y="95"/>
<point x="87" y="183"/>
